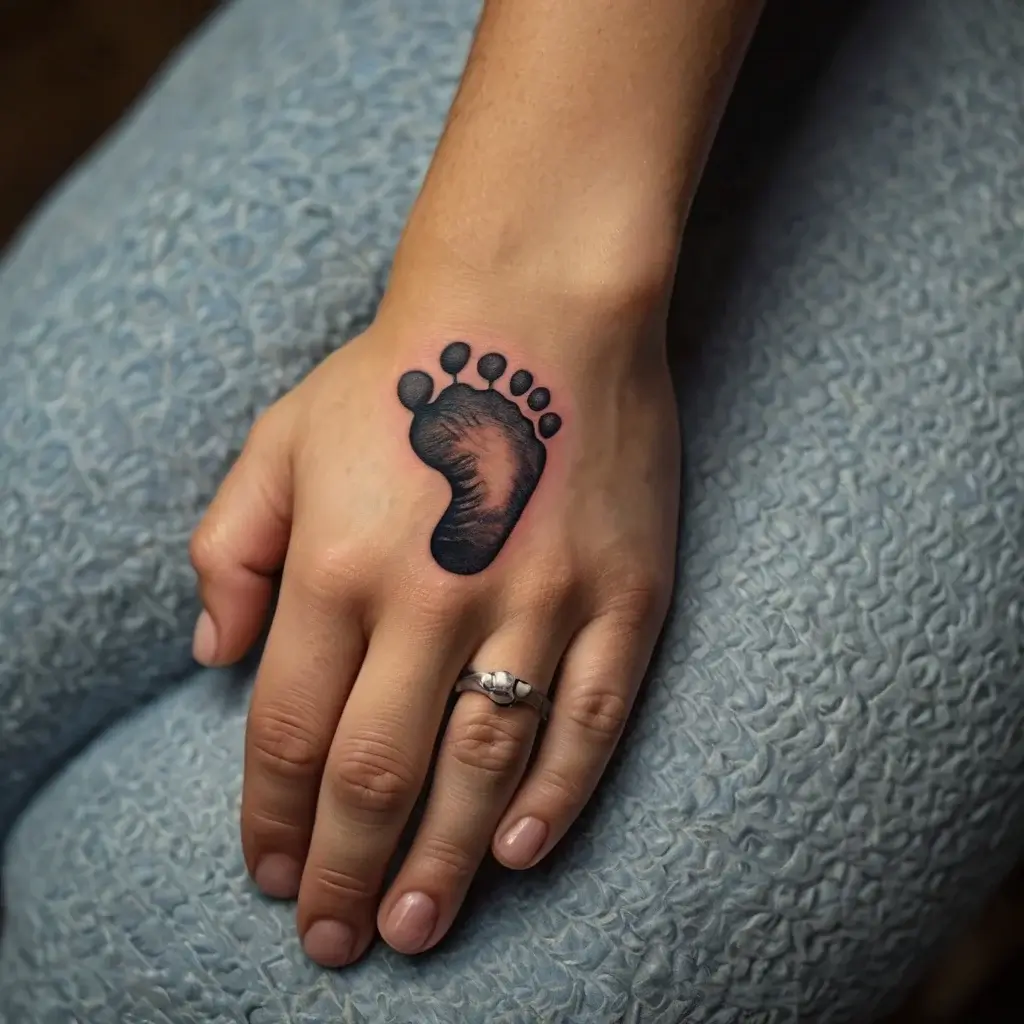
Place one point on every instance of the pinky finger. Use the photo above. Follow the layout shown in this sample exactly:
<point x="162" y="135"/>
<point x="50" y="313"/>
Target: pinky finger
<point x="598" y="682"/>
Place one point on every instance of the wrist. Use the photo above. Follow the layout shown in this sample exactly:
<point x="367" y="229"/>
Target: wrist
<point x="572" y="304"/>
<point x="562" y="273"/>
<point x="593" y="217"/>
<point x="608" y="246"/>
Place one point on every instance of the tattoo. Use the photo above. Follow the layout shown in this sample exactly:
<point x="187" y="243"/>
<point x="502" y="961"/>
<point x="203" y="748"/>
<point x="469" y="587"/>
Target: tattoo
<point x="484" y="446"/>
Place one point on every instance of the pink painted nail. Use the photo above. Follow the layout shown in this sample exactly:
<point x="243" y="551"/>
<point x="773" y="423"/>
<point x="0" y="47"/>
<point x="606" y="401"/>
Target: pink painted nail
<point x="329" y="943"/>
<point x="278" y="876"/>
<point x="411" y="922"/>
<point x="204" y="640"/>
<point x="522" y="842"/>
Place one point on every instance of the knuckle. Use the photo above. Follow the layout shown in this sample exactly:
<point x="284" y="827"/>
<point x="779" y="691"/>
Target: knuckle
<point x="283" y="743"/>
<point x="551" y="588"/>
<point x="560" y="583"/>
<point x="485" y="742"/>
<point x="600" y="713"/>
<point x="267" y="823"/>
<point x="371" y="775"/>
<point x="459" y="865"/>
<point x="641" y="596"/>
<point x="204" y="551"/>
<point x="331" y="574"/>
<point x="442" y="601"/>
<point x="563" y="790"/>
<point x="342" y="886"/>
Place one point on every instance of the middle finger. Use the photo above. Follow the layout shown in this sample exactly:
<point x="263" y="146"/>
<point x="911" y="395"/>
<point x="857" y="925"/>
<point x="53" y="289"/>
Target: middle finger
<point x="375" y="771"/>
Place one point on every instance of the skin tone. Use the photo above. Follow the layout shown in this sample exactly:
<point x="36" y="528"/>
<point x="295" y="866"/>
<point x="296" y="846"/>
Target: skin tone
<point x="547" y="231"/>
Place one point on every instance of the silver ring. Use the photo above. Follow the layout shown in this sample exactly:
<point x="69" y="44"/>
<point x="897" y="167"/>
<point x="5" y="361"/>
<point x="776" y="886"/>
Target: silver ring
<point x="504" y="689"/>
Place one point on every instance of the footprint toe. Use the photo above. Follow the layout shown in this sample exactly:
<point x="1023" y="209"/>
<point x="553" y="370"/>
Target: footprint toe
<point x="521" y="382"/>
<point x="415" y="389"/>
<point x="549" y="425"/>
<point x="539" y="399"/>
<point x="454" y="357"/>
<point x="491" y="366"/>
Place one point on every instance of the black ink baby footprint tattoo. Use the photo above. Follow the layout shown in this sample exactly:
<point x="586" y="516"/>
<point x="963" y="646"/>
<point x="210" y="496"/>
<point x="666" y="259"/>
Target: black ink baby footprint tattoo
<point x="484" y="446"/>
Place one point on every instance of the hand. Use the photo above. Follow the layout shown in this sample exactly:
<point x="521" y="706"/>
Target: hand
<point x="554" y="561"/>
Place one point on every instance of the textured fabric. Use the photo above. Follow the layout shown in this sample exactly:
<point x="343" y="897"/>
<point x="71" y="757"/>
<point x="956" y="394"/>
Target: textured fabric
<point x="234" y="233"/>
<point x="825" y="768"/>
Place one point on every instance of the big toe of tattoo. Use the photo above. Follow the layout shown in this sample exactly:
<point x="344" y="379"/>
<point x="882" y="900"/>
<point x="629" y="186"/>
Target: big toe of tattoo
<point x="487" y="450"/>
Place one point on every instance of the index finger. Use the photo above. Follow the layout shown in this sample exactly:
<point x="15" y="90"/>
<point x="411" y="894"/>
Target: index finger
<point x="313" y="653"/>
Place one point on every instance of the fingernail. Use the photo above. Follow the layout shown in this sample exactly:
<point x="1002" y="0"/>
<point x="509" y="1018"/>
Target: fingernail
<point x="278" y="876"/>
<point x="329" y="943"/>
<point x="411" y="923"/>
<point x="204" y="640"/>
<point x="522" y="842"/>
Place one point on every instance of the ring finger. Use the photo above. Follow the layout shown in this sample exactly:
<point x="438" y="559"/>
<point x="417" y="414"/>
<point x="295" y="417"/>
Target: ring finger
<point x="482" y="757"/>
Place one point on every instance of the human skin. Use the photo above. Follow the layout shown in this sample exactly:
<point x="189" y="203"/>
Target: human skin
<point x="545" y="238"/>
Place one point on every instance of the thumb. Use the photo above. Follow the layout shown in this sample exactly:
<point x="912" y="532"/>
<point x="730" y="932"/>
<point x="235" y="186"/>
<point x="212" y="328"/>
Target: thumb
<point x="240" y="544"/>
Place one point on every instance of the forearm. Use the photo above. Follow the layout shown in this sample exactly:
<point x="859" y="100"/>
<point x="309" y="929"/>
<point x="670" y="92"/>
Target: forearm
<point x="577" y="138"/>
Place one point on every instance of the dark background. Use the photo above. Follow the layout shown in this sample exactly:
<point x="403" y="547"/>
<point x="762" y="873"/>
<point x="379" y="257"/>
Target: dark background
<point x="70" y="68"/>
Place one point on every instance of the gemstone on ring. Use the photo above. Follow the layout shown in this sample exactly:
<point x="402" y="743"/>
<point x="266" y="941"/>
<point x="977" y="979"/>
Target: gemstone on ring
<point x="504" y="689"/>
<point x="500" y="686"/>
